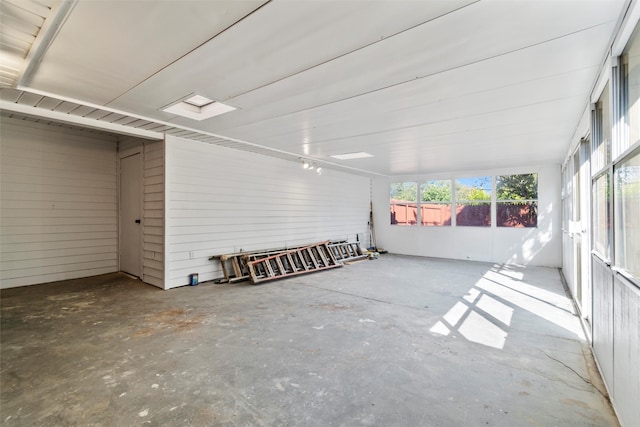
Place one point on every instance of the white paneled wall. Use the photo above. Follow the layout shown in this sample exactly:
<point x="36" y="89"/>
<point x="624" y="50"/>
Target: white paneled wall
<point x="616" y="338"/>
<point x="541" y="246"/>
<point x="153" y="213"/>
<point x="58" y="212"/>
<point x="220" y="200"/>
<point x="153" y="206"/>
<point x="603" y="312"/>
<point x="626" y="340"/>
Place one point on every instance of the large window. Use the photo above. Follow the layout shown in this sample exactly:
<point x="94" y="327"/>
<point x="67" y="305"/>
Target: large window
<point x="616" y="162"/>
<point x="631" y="93"/>
<point x="431" y="203"/>
<point x="473" y="201"/>
<point x="601" y="188"/>
<point x="602" y="142"/>
<point x="403" y="203"/>
<point x="517" y="200"/>
<point x="626" y="170"/>
<point x="435" y="202"/>
<point x="627" y="214"/>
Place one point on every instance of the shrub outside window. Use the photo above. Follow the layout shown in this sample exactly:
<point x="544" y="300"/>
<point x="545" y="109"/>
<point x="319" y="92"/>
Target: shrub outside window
<point x="473" y="201"/>
<point x="403" y="203"/>
<point x="435" y="203"/>
<point x="627" y="215"/>
<point x="517" y="200"/>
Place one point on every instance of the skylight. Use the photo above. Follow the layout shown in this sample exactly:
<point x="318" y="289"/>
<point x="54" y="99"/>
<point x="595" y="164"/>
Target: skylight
<point x="198" y="107"/>
<point x="198" y="101"/>
<point x="350" y="156"/>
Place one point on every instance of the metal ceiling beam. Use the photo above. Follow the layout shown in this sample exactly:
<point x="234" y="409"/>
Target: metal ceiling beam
<point x="78" y="120"/>
<point x="127" y="130"/>
<point x="52" y="24"/>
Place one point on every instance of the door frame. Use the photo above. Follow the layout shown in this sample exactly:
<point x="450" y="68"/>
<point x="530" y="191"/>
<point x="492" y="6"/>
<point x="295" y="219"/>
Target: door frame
<point x="121" y="156"/>
<point x="585" y="303"/>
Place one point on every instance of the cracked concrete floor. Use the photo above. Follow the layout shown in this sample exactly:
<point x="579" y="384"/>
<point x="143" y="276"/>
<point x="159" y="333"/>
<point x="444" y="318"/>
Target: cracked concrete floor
<point x="397" y="341"/>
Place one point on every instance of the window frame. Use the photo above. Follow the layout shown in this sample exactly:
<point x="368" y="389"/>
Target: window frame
<point x="470" y="202"/>
<point x="415" y="202"/>
<point x="422" y="202"/>
<point x="528" y="201"/>
<point x="615" y="219"/>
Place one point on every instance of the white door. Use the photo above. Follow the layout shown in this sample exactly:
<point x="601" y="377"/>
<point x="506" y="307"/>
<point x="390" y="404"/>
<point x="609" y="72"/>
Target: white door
<point x="584" y="251"/>
<point x="131" y="215"/>
<point x="580" y="236"/>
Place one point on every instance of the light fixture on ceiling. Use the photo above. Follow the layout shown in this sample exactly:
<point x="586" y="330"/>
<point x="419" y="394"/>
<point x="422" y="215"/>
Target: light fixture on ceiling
<point x="351" y="156"/>
<point x="308" y="165"/>
<point x="198" y="107"/>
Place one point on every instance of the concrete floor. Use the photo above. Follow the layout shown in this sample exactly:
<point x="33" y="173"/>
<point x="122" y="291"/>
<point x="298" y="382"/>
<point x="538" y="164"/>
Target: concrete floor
<point x="398" y="341"/>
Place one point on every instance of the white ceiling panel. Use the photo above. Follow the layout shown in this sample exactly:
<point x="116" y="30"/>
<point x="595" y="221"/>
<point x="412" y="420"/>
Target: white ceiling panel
<point x="424" y="86"/>
<point x="107" y="47"/>
<point x="511" y="97"/>
<point x="278" y="42"/>
<point x="472" y="34"/>
<point x="468" y="138"/>
<point x="564" y="56"/>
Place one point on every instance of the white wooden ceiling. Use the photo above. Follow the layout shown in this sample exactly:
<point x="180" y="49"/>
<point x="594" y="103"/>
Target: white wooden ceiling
<point x="424" y="86"/>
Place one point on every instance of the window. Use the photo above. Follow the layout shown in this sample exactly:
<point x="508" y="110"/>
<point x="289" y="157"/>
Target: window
<point x="627" y="214"/>
<point x="566" y="197"/>
<point x="602" y="142"/>
<point x="626" y="166"/>
<point x="601" y="187"/>
<point x="404" y="203"/>
<point x="435" y="202"/>
<point x="517" y="200"/>
<point x="601" y="217"/>
<point x="473" y="201"/>
<point x="631" y="93"/>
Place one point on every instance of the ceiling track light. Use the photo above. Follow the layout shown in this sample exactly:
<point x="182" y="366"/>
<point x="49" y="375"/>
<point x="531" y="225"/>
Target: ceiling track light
<point x="306" y="164"/>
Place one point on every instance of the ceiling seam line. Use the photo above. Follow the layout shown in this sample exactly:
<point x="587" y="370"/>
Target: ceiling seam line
<point x="420" y="105"/>
<point x="351" y="51"/>
<point x="437" y="137"/>
<point x="487" y="128"/>
<point x="448" y="120"/>
<point x="433" y="74"/>
<point x="189" y="52"/>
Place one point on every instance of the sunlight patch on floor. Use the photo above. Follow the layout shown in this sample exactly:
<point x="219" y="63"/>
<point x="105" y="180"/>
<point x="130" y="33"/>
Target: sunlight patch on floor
<point x="495" y="308"/>
<point x="473" y="325"/>
<point x="486" y="312"/>
<point x="476" y="328"/>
